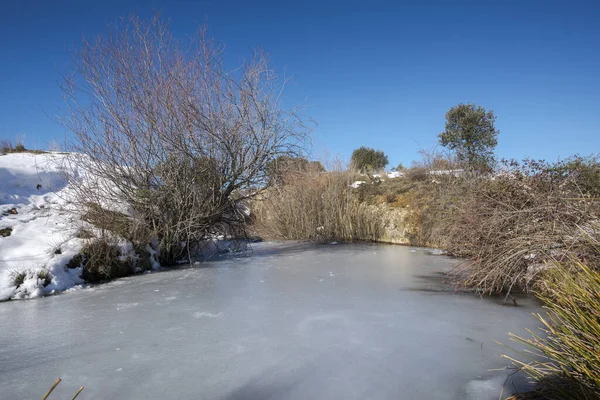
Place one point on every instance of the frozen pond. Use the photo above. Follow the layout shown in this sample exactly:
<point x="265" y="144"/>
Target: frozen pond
<point x="292" y="321"/>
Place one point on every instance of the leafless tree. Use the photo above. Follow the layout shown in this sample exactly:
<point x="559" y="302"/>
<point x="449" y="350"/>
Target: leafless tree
<point x="166" y="131"/>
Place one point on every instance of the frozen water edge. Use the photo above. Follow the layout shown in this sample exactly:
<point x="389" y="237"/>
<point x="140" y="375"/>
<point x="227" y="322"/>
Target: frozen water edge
<point x="292" y="321"/>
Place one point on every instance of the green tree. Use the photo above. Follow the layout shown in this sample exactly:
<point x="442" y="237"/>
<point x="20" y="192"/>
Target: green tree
<point x="368" y="160"/>
<point x="399" y="167"/>
<point x="471" y="133"/>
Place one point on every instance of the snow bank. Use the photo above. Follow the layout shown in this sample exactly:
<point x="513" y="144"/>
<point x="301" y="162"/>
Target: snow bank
<point x="356" y="185"/>
<point x="455" y="172"/>
<point x="33" y="195"/>
<point x="394" y="174"/>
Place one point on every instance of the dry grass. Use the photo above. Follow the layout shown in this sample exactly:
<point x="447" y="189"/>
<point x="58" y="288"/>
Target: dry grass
<point x="317" y="206"/>
<point x="55" y="384"/>
<point x="564" y="358"/>
<point x="101" y="259"/>
<point x="17" y="278"/>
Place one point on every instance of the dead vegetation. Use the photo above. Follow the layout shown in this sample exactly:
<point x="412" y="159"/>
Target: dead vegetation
<point x="55" y="384"/>
<point x="516" y="224"/>
<point x="172" y="140"/>
<point x="7" y="146"/>
<point x="102" y="259"/>
<point x="563" y="356"/>
<point x="317" y="206"/>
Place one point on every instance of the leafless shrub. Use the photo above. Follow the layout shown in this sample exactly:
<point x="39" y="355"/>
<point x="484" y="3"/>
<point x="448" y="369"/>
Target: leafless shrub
<point x="435" y="159"/>
<point x="530" y="217"/>
<point x="5" y="146"/>
<point x="54" y="146"/>
<point x="169" y="137"/>
<point x="83" y="233"/>
<point x="417" y="174"/>
<point x="317" y="206"/>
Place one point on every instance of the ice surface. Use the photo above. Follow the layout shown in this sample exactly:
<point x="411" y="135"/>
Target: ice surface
<point x="291" y="321"/>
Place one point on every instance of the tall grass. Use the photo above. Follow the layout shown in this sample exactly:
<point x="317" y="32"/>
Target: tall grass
<point x="569" y="343"/>
<point x="317" y="206"/>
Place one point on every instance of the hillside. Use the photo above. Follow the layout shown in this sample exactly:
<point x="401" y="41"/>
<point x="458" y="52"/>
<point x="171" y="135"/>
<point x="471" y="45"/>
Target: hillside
<point x="37" y="233"/>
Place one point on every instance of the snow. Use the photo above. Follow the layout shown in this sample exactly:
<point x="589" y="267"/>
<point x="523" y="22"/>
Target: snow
<point x="394" y="174"/>
<point x="36" y="203"/>
<point x="379" y="177"/>
<point x="34" y="186"/>
<point x="455" y="172"/>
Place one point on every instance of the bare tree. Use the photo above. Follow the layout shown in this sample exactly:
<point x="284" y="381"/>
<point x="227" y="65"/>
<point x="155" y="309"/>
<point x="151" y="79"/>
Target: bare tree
<point x="165" y="130"/>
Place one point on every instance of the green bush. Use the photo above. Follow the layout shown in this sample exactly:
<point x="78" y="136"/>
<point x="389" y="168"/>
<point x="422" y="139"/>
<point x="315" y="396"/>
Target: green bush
<point x="471" y="133"/>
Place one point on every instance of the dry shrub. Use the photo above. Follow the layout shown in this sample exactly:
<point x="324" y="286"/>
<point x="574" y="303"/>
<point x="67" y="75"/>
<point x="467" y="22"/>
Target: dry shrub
<point x="417" y="174"/>
<point x="564" y="357"/>
<point x="317" y="206"/>
<point x="83" y="233"/>
<point x="5" y="146"/>
<point x="101" y="259"/>
<point x="510" y="226"/>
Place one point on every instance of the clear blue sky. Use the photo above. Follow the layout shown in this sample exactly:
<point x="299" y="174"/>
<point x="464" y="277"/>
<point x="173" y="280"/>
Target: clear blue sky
<point x="379" y="74"/>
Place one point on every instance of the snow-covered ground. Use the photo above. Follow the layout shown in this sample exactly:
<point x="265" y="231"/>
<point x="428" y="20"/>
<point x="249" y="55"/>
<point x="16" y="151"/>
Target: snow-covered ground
<point x="389" y="175"/>
<point x="33" y="196"/>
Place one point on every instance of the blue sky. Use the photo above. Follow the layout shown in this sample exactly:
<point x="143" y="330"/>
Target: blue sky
<point x="379" y="74"/>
